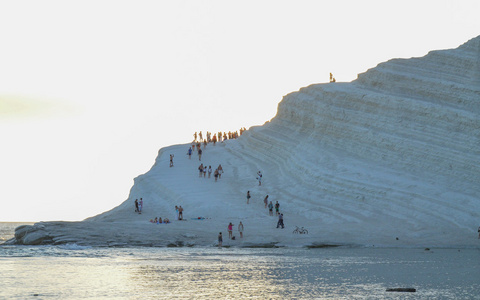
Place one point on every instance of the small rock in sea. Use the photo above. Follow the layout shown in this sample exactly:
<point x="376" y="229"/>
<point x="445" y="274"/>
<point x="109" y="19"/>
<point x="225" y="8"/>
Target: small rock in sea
<point x="410" y="290"/>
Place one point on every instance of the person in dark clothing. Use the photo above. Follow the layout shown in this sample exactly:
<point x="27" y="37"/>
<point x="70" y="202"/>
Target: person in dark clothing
<point x="280" y="221"/>
<point x="220" y="239"/>
<point x="180" y="212"/>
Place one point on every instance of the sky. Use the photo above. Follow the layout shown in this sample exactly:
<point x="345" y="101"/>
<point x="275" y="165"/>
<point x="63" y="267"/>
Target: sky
<point x="91" y="90"/>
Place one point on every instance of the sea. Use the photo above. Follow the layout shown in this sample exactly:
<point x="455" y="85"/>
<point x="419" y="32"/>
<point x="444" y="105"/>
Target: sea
<point x="71" y="271"/>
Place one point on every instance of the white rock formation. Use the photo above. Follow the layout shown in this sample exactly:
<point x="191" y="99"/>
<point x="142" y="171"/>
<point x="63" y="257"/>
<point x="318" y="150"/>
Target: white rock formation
<point x="392" y="158"/>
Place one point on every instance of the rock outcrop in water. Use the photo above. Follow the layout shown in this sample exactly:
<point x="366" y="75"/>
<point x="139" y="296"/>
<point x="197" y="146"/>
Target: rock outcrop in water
<point x="392" y="158"/>
<point x="31" y="234"/>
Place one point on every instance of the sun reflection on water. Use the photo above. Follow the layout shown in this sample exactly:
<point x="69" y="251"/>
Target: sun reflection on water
<point x="221" y="275"/>
<point x="211" y="273"/>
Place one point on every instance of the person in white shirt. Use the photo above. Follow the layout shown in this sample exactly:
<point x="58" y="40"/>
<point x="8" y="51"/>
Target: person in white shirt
<point x="240" y="229"/>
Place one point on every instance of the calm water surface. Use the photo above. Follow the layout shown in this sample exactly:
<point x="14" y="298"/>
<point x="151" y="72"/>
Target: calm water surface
<point x="74" y="272"/>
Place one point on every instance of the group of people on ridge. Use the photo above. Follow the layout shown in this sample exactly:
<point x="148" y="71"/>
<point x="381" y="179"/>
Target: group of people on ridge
<point x="219" y="137"/>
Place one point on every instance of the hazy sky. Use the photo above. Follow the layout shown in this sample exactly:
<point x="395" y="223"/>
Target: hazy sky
<point x="91" y="90"/>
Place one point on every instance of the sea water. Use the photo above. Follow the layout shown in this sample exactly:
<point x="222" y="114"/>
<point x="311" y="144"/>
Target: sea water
<point x="78" y="272"/>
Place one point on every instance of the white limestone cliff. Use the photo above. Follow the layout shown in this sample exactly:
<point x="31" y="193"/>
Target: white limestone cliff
<point x="392" y="158"/>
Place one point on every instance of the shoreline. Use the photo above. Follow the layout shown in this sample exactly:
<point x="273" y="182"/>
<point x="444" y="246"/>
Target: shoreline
<point x="139" y="234"/>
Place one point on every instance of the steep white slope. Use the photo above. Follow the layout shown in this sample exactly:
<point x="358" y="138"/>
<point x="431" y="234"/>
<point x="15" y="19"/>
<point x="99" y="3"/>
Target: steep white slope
<point x="393" y="154"/>
<point x="398" y="148"/>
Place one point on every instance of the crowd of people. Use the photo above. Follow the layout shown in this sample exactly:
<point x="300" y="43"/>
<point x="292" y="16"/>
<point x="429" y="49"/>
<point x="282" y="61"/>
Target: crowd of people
<point x="218" y="137"/>
<point x="203" y="170"/>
